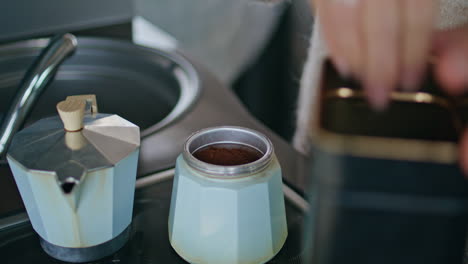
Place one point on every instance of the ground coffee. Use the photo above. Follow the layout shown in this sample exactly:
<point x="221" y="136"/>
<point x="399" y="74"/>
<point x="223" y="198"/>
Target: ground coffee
<point x="227" y="154"/>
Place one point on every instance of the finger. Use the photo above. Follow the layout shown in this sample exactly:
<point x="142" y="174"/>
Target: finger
<point x="452" y="71"/>
<point x="328" y="25"/>
<point x="348" y="35"/>
<point x="452" y="60"/>
<point x="382" y="34"/>
<point x="464" y="153"/>
<point x="417" y="32"/>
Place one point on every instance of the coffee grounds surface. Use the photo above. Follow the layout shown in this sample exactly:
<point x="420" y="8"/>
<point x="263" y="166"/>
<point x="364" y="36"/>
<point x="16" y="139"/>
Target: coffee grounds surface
<point x="227" y="154"/>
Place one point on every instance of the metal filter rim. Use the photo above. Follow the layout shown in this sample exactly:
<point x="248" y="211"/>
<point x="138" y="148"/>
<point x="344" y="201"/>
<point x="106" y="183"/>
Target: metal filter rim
<point x="233" y="135"/>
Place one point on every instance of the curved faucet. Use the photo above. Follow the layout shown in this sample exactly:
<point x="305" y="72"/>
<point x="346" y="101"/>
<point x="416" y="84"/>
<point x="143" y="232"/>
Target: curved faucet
<point x="39" y="75"/>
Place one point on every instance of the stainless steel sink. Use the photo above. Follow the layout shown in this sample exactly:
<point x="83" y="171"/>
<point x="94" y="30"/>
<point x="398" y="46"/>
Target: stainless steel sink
<point x="147" y="87"/>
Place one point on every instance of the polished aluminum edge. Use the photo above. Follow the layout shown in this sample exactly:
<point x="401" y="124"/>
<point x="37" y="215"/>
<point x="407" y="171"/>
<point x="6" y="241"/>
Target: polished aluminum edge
<point x="105" y="140"/>
<point x="231" y="135"/>
<point x="86" y="254"/>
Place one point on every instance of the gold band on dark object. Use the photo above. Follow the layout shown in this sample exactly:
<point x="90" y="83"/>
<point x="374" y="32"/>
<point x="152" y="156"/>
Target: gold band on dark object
<point x="418" y="150"/>
<point x="414" y="97"/>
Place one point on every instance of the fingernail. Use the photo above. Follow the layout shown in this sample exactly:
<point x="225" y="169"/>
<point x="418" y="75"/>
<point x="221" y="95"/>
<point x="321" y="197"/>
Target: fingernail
<point x="378" y="97"/>
<point x="411" y="80"/>
<point x="342" y="67"/>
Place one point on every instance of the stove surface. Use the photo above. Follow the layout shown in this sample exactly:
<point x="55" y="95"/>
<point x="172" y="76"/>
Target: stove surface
<point x="149" y="241"/>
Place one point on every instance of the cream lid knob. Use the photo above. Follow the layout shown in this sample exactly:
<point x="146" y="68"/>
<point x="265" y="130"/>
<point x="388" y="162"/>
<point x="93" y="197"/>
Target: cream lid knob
<point x="73" y="109"/>
<point x="75" y="141"/>
<point x="89" y="99"/>
<point x="71" y="112"/>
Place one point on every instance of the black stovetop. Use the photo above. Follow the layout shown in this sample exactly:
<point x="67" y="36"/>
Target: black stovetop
<point x="149" y="242"/>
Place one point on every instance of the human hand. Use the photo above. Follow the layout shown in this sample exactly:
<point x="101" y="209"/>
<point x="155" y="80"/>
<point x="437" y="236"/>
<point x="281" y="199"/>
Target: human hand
<point x="387" y="43"/>
<point x="383" y="43"/>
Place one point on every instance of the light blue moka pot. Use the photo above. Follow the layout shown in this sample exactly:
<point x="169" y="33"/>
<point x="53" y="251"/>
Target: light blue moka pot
<point x="227" y="214"/>
<point x="76" y="175"/>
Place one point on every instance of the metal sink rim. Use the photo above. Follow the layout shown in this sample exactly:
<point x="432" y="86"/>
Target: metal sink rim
<point x="183" y="71"/>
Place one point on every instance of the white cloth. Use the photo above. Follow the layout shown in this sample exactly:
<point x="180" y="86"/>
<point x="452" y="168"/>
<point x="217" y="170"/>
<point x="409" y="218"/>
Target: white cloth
<point x="453" y="13"/>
